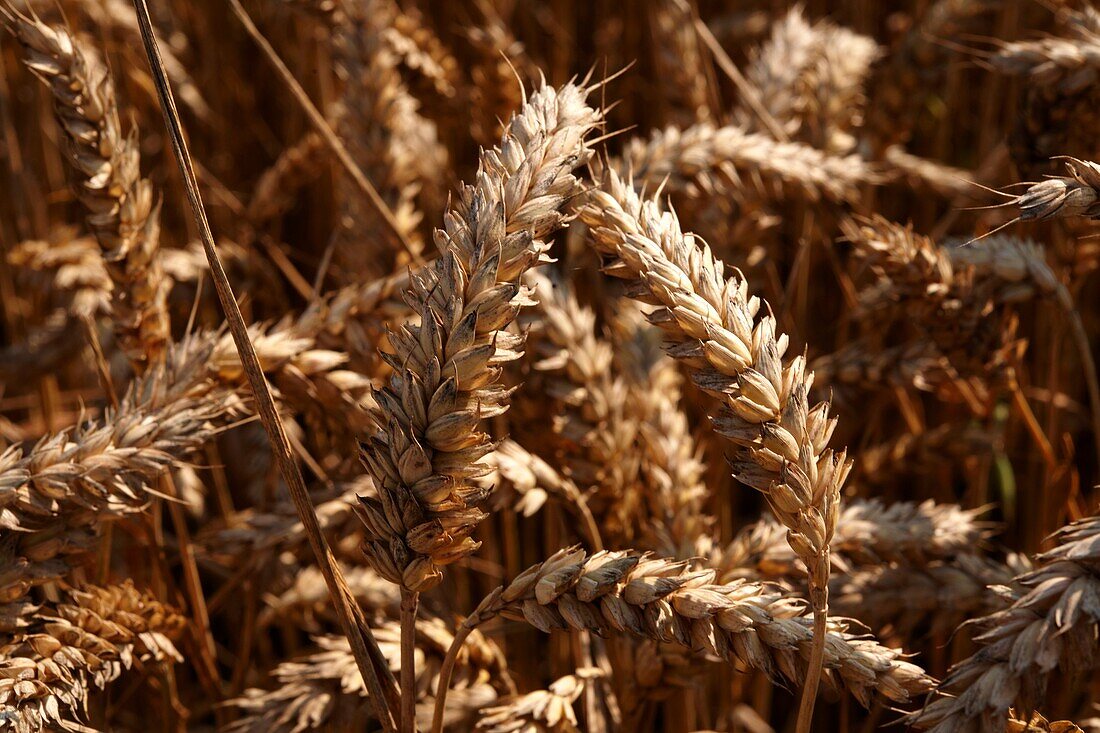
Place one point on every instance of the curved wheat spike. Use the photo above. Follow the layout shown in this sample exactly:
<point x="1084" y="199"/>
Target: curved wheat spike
<point x="123" y="214"/>
<point x="664" y="600"/>
<point x="780" y="442"/>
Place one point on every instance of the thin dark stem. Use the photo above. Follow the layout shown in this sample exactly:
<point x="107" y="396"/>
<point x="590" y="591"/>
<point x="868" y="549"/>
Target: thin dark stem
<point x="363" y="645"/>
<point x="409" y="601"/>
<point x="445" y="672"/>
<point x="318" y="120"/>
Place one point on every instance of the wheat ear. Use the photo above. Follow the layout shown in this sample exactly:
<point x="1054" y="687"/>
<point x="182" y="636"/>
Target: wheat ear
<point x="429" y="447"/>
<point x="780" y="442"/>
<point x="664" y="600"/>
<point x="106" y="165"/>
<point x="1051" y="626"/>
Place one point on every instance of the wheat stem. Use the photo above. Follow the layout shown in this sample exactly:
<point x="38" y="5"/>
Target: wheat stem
<point x="368" y="657"/>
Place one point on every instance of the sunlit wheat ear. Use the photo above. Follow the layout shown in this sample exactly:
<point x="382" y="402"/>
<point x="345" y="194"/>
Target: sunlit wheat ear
<point x="430" y="445"/>
<point x="80" y="645"/>
<point x="734" y="354"/>
<point x="704" y="157"/>
<point x="106" y="170"/>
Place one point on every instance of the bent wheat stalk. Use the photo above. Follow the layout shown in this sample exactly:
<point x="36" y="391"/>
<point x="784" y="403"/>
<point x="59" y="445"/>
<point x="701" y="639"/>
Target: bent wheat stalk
<point x="780" y="442"/>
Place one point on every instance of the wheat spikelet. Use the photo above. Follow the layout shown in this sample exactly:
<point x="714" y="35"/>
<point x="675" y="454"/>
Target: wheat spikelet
<point x="549" y="710"/>
<point x="1064" y="196"/>
<point x="1070" y="64"/>
<point x="1050" y="628"/>
<point x="663" y="600"/>
<point x="709" y="157"/>
<point x="1038" y="724"/>
<point x="446" y="368"/>
<point x="106" y="167"/>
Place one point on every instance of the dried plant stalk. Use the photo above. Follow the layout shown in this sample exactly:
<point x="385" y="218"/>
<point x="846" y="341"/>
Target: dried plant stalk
<point x="429" y="447"/>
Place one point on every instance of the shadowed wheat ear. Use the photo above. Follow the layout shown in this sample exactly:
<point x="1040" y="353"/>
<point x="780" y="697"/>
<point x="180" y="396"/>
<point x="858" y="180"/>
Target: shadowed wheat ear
<point x="1050" y="629"/>
<point x="323" y="687"/>
<point x="734" y="354"/>
<point x="429" y="446"/>
<point x="106" y="168"/>
<point x="48" y="669"/>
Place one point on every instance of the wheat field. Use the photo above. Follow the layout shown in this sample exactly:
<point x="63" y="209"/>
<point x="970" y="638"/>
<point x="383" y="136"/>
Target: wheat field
<point x="518" y="367"/>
